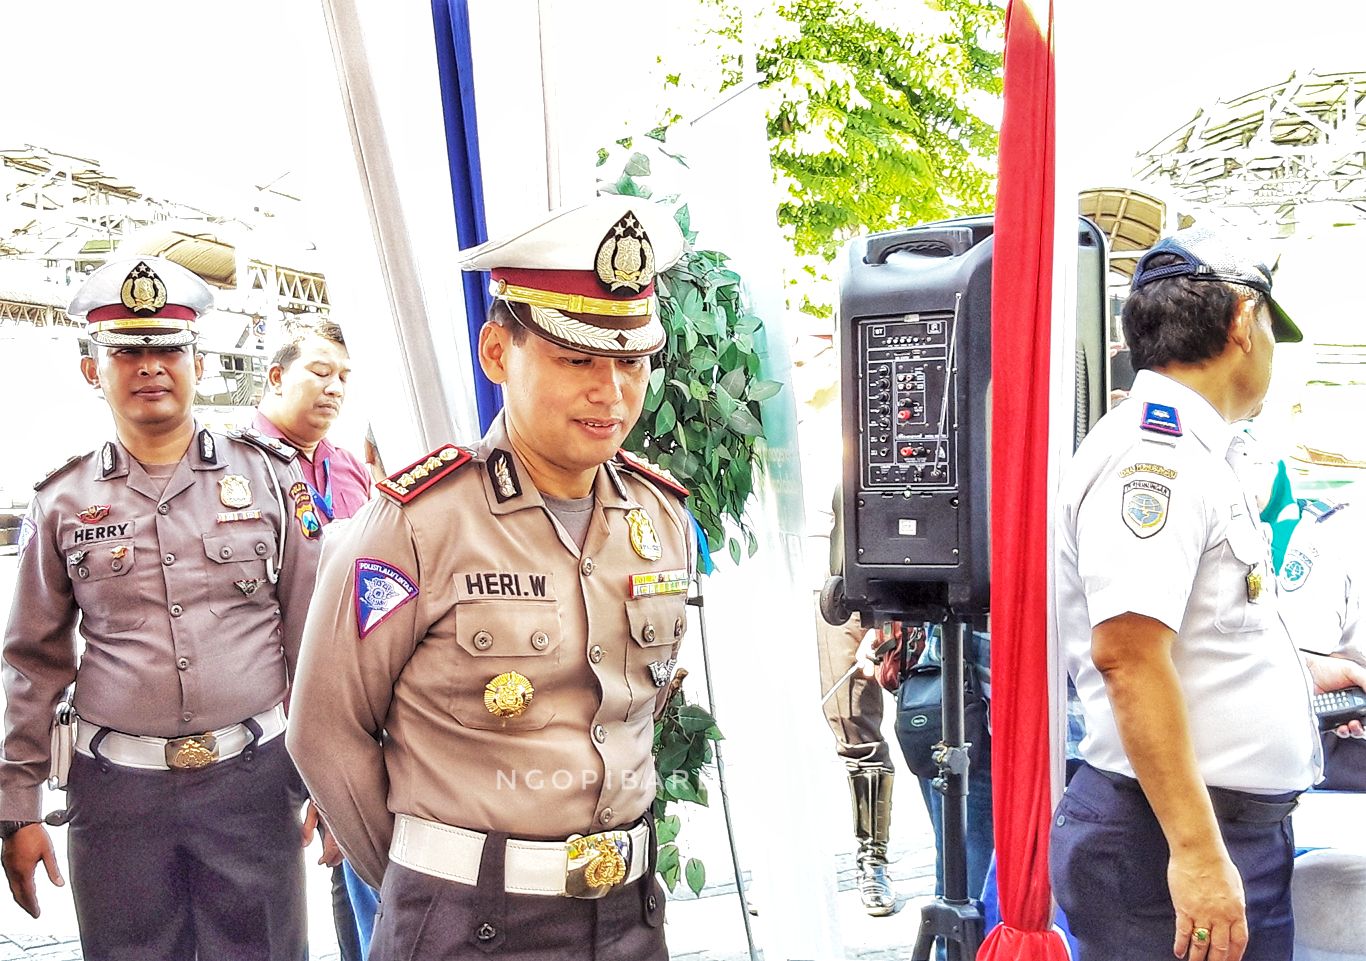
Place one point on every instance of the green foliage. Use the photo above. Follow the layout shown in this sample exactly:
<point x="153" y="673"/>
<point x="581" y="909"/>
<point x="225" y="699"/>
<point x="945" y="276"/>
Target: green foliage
<point x="683" y="750"/>
<point x="702" y="419"/>
<point x="872" y="129"/>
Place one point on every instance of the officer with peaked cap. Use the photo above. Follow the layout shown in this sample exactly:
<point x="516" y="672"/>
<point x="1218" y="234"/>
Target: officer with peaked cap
<point x="1173" y="838"/>
<point x="184" y="558"/>
<point x="490" y="638"/>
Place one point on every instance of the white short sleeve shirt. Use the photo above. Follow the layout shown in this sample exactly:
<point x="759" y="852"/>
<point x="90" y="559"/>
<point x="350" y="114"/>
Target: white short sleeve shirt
<point x="1321" y="579"/>
<point x="1153" y="520"/>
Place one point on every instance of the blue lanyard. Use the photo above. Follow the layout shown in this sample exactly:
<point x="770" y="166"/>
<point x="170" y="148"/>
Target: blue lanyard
<point x="323" y="501"/>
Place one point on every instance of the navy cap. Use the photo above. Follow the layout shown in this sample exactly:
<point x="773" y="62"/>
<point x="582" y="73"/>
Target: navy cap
<point x="1205" y="255"/>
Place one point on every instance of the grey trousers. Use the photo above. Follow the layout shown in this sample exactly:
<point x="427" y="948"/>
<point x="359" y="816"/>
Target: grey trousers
<point x="422" y="918"/>
<point x="170" y="865"/>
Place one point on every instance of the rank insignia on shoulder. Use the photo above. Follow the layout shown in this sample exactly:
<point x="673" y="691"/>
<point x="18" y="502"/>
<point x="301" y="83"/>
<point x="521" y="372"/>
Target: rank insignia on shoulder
<point x="422" y="474"/>
<point x="637" y="464"/>
<point x="381" y="589"/>
<point x="57" y="471"/>
<point x="1161" y="419"/>
<point x="1321" y="510"/>
<point x="270" y="444"/>
<point x="1145" y="507"/>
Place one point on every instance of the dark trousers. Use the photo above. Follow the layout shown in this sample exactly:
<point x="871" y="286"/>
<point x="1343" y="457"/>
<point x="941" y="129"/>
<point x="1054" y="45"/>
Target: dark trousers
<point x="170" y="865"/>
<point x="1108" y="861"/>
<point x="422" y="918"/>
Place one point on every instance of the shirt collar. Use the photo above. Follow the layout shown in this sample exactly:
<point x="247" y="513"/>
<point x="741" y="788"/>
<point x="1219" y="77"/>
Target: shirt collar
<point x="608" y="489"/>
<point x="1198" y="416"/>
<point x="267" y="426"/>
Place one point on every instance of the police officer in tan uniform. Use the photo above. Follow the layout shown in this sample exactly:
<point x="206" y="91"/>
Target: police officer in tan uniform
<point x="184" y="559"/>
<point x="491" y="636"/>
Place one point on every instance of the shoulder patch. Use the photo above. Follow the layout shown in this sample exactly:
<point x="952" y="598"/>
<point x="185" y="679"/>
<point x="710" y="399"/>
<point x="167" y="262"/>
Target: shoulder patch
<point x="638" y="465"/>
<point x="420" y="475"/>
<point x="59" y="471"/>
<point x="1321" y="510"/>
<point x="269" y="444"/>
<point x="1161" y="419"/>
<point x="1295" y="569"/>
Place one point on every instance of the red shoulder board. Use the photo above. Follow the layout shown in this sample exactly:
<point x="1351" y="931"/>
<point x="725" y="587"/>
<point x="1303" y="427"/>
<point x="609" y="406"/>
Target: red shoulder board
<point x="659" y="475"/>
<point x="422" y="474"/>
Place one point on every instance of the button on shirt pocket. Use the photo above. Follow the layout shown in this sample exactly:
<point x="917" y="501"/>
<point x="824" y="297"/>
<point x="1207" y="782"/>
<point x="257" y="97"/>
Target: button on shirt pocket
<point x="1244" y="582"/>
<point x="504" y="647"/>
<point x="656" y="625"/>
<point x="97" y="574"/>
<point x="236" y="569"/>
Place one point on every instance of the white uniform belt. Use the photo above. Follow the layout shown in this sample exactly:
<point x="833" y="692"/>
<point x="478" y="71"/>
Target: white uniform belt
<point x="555" y="868"/>
<point x="164" y="754"/>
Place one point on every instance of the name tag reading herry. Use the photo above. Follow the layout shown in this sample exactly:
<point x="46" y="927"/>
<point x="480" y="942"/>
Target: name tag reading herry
<point x="104" y="532"/>
<point x="481" y="584"/>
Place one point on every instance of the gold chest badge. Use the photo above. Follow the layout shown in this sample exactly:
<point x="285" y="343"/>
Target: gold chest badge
<point x="234" y="491"/>
<point x="644" y="540"/>
<point x="508" y="695"/>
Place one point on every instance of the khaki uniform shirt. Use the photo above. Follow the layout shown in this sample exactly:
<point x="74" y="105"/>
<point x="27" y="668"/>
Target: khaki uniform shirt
<point x="422" y="605"/>
<point x="172" y="591"/>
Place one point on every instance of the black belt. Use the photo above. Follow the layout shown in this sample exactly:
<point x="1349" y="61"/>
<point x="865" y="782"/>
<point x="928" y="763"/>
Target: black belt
<point x="1240" y="807"/>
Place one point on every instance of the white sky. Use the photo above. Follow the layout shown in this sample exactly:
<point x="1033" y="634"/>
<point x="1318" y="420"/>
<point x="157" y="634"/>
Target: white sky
<point x="199" y="108"/>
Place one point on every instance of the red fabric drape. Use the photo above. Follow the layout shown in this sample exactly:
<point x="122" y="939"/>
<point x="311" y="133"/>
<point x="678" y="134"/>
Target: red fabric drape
<point x="1020" y="332"/>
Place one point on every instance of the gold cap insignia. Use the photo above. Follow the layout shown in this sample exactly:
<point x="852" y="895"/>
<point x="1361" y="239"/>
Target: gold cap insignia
<point x="625" y="257"/>
<point x="143" y="292"/>
<point x="234" y="491"/>
<point x="508" y="695"/>
<point x="644" y="540"/>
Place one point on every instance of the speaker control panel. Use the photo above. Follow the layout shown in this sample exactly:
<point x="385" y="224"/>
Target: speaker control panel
<point x="908" y="412"/>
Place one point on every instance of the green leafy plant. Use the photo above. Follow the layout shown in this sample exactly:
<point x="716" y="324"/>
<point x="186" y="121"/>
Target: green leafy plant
<point x="683" y="740"/>
<point x="702" y="420"/>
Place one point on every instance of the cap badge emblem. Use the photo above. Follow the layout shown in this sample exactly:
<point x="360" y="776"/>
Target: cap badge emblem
<point x="625" y="257"/>
<point x="143" y="292"/>
<point x="644" y="540"/>
<point x="508" y="695"/>
<point x="235" y="491"/>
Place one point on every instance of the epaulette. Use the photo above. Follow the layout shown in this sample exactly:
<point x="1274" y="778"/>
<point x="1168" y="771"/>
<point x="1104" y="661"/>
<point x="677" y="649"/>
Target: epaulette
<point x="1161" y="419"/>
<point x="1321" y="510"/>
<point x="424" y="472"/>
<point x="272" y="445"/>
<point x="57" y="471"/>
<point x="636" y="463"/>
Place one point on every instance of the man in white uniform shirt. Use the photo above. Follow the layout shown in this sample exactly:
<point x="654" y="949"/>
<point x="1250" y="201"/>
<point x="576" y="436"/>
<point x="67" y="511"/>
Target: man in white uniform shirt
<point x="1174" y="836"/>
<point x="1321" y="582"/>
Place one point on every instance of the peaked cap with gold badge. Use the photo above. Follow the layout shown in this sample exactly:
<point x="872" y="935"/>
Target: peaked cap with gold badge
<point x="584" y="277"/>
<point x="142" y="302"/>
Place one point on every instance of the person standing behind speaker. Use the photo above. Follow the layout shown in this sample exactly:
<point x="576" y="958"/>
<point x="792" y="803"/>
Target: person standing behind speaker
<point x="305" y="389"/>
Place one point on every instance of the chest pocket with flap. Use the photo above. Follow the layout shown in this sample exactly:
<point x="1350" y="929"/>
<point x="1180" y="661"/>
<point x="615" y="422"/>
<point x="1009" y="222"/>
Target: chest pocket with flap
<point x="236" y="568"/>
<point x="656" y="625"/>
<point x="97" y="571"/>
<point x="500" y="637"/>
<point x="1244" y="553"/>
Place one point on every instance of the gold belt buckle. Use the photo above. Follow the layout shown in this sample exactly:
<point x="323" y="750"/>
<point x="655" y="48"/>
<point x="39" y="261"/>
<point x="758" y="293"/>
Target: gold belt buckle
<point x="596" y="863"/>
<point x="191" y="753"/>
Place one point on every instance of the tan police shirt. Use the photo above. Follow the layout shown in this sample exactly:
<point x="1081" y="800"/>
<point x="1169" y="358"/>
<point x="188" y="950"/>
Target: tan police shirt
<point x="173" y="591"/>
<point x="424" y="606"/>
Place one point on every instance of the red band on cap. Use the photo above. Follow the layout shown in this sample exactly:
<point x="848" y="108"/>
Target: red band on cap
<point x="582" y="282"/>
<point x="120" y="312"/>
